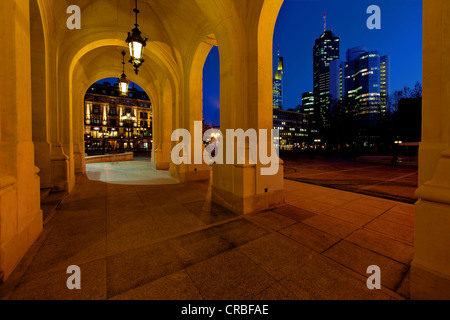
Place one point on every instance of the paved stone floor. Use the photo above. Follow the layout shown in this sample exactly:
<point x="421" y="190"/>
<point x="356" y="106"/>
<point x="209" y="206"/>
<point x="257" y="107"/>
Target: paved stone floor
<point x="380" y="180"/>
<point x="168" y="242"/>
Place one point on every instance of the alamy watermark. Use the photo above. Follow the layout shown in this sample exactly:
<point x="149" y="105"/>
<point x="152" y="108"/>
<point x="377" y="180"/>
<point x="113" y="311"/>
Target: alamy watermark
<point x="182" y="152"/>
<point x="74" y="281"/>
<point x="374" y="281"/>
<point x="74" y="21"/>
<point x="374" y="21"/>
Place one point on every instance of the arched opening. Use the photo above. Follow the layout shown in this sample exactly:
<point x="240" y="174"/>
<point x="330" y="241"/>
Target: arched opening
<point x="118" y="135"/>
<point x="211" y="101"/>
<point x="103" y="60"/>
<point x="106" y="131"/>
<point x="211" y="89"/>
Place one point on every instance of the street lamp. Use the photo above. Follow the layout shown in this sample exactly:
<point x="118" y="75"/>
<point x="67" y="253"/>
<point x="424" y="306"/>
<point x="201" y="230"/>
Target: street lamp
<point x="128" y="121"/>
<point x="123" y="81"/>
<point x="136" y="43"/>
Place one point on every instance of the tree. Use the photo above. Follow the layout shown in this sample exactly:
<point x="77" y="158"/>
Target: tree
<point x="417" y="91"/>
<point x="405" y="93"/>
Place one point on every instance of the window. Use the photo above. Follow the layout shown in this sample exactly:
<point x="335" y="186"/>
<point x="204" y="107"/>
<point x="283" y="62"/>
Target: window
<point x="113" y="122"/>
<point x="96" y="109"/>
<point x="113" y="111"/>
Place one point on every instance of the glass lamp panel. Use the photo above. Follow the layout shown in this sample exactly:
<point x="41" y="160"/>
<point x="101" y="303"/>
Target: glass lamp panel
<point x="137" y="50"/>
<point x="123" y="87"/>
<point x="130" y="45"/>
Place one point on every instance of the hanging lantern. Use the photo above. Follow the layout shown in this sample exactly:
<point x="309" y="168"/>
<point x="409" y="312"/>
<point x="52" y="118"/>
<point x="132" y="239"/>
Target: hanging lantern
<point x="136" y="43"/>
<point x="123" y="81"/>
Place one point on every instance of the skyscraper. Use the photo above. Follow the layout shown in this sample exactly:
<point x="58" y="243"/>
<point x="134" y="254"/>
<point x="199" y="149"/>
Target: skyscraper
<point x="307" y="103"/>
<point x="325" y="50"/>
<point x="366" y="81"/>
<point x="278" y="85"/>
<point x="337" y="84"/>
<point x="384" y="81"/>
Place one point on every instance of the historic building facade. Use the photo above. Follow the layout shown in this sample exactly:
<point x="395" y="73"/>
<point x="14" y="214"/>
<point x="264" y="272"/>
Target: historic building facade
<point x="105" y="129"/>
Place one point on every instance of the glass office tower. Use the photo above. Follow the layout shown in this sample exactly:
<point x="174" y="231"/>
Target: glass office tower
<point x="366" y="81"/>
<point x="325" y="50"/>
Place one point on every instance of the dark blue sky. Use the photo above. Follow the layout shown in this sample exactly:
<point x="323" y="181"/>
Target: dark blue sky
<point x="114" y="81"/>
<point x="300" y="22"/>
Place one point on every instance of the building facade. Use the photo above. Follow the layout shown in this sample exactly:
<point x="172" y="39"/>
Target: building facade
<point x="293" y="128"/>
<point x="325" y="50"/>
<point x="308" y="104"/>
<point x="337" y="83"/>
<point x="104" y="127"/>
<point x="366" y="81"/>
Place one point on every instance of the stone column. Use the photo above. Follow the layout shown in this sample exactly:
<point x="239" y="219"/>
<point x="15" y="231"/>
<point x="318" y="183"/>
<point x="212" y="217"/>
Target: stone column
<point x="78" y="134"/>
<point x="59" y="159"/>
<point x="20" y="214"/>
<point x="430" y="270"/>
<point x="39" y="97"/>
<point x="162" y="127"/>
<point x="245" y="48"/>
<point x="192" y="112"/>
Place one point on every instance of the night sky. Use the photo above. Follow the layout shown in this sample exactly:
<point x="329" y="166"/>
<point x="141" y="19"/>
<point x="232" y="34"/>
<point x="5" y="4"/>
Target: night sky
<point x="300" y="22"/>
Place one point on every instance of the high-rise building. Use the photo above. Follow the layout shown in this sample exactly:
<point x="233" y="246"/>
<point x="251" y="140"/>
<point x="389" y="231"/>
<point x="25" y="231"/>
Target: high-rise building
<point x="326" y="50"/>
<point x="366" y="81"/>
<point x="278" y="85"/>
<point x="337" y="84"/>
<point x="307" y="103"/>
<point x="384" y="81"/>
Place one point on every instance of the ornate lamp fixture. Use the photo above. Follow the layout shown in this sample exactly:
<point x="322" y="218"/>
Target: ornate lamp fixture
<point x="123" y="81"/>
<point x="136" y="43"/>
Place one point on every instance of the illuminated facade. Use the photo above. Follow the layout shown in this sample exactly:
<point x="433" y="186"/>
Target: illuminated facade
<point x="308" y="103"/>
<point x="104" y="108"/>
<point x="326" y="50"/>
<point x="293" y="127"/>
<point x="384" y="81"/>
<point x="366" y="81"/>
<point x="278" y="85"/>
